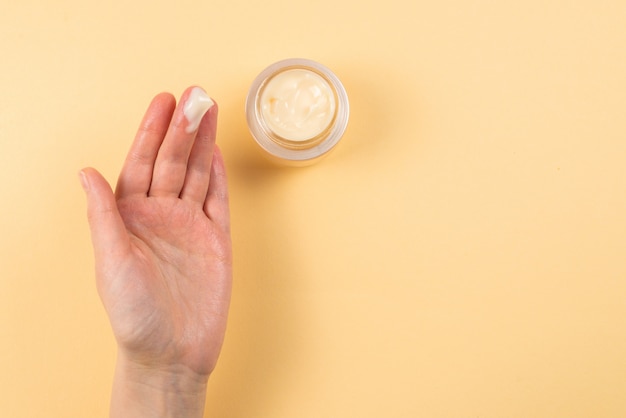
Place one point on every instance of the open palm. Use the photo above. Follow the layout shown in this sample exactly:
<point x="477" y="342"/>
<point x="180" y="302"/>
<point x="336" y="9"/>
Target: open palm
<point x="162" y="241"/>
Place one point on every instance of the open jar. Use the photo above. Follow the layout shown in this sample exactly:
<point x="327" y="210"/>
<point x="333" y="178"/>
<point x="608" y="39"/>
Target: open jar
<point x="297" y="111"/>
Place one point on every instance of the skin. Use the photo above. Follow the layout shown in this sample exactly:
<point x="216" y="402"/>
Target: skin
<point x="163" y="261"/>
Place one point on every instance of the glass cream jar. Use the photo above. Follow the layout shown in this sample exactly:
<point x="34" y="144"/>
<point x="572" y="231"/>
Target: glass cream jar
<point x="297" y="111"/>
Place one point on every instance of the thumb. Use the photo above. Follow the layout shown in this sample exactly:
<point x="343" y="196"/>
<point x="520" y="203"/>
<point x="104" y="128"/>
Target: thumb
<point x="108" y="232"/>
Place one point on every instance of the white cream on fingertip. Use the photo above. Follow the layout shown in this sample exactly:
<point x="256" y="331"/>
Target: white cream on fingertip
<point x="197" y="104"/>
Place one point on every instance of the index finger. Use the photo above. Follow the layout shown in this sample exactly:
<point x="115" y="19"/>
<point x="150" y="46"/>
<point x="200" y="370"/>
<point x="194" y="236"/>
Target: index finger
<point x="136" y="174"/>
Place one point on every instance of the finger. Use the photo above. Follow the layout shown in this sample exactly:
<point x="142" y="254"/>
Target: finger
<point x="198" y="173"/>
<point x="216" y="204"/>
<point x="170" y="166"/>
<point x="136" y="174"/>
<point x="108" y="232"/>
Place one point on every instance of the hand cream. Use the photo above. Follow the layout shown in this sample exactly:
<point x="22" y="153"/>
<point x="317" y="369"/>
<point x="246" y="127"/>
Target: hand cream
<point x="197" y="104"/>
<point x="297" y="110"/>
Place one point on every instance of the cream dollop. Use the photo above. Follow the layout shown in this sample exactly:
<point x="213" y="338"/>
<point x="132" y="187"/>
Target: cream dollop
<point x="197" y="104"/>
<point x="297" y="104"/>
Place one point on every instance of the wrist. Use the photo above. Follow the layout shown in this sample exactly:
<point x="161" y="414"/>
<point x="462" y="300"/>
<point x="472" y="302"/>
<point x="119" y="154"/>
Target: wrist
<point x="145" y="391"/>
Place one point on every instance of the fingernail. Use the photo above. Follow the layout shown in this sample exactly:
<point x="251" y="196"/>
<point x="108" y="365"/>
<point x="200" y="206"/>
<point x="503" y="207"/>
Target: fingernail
<point x="198" y="103"/>
<point x="84" y="181"/>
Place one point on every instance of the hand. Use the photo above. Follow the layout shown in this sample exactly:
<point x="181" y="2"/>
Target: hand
<point x="163" y="256"/>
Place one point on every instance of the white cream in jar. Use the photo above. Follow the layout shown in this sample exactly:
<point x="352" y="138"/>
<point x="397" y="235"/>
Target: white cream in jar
<point x="297" y="104"/>
<point x="297" y="110"/>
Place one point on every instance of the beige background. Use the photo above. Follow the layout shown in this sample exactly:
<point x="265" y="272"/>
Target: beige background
<point x="461" y="254"/>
